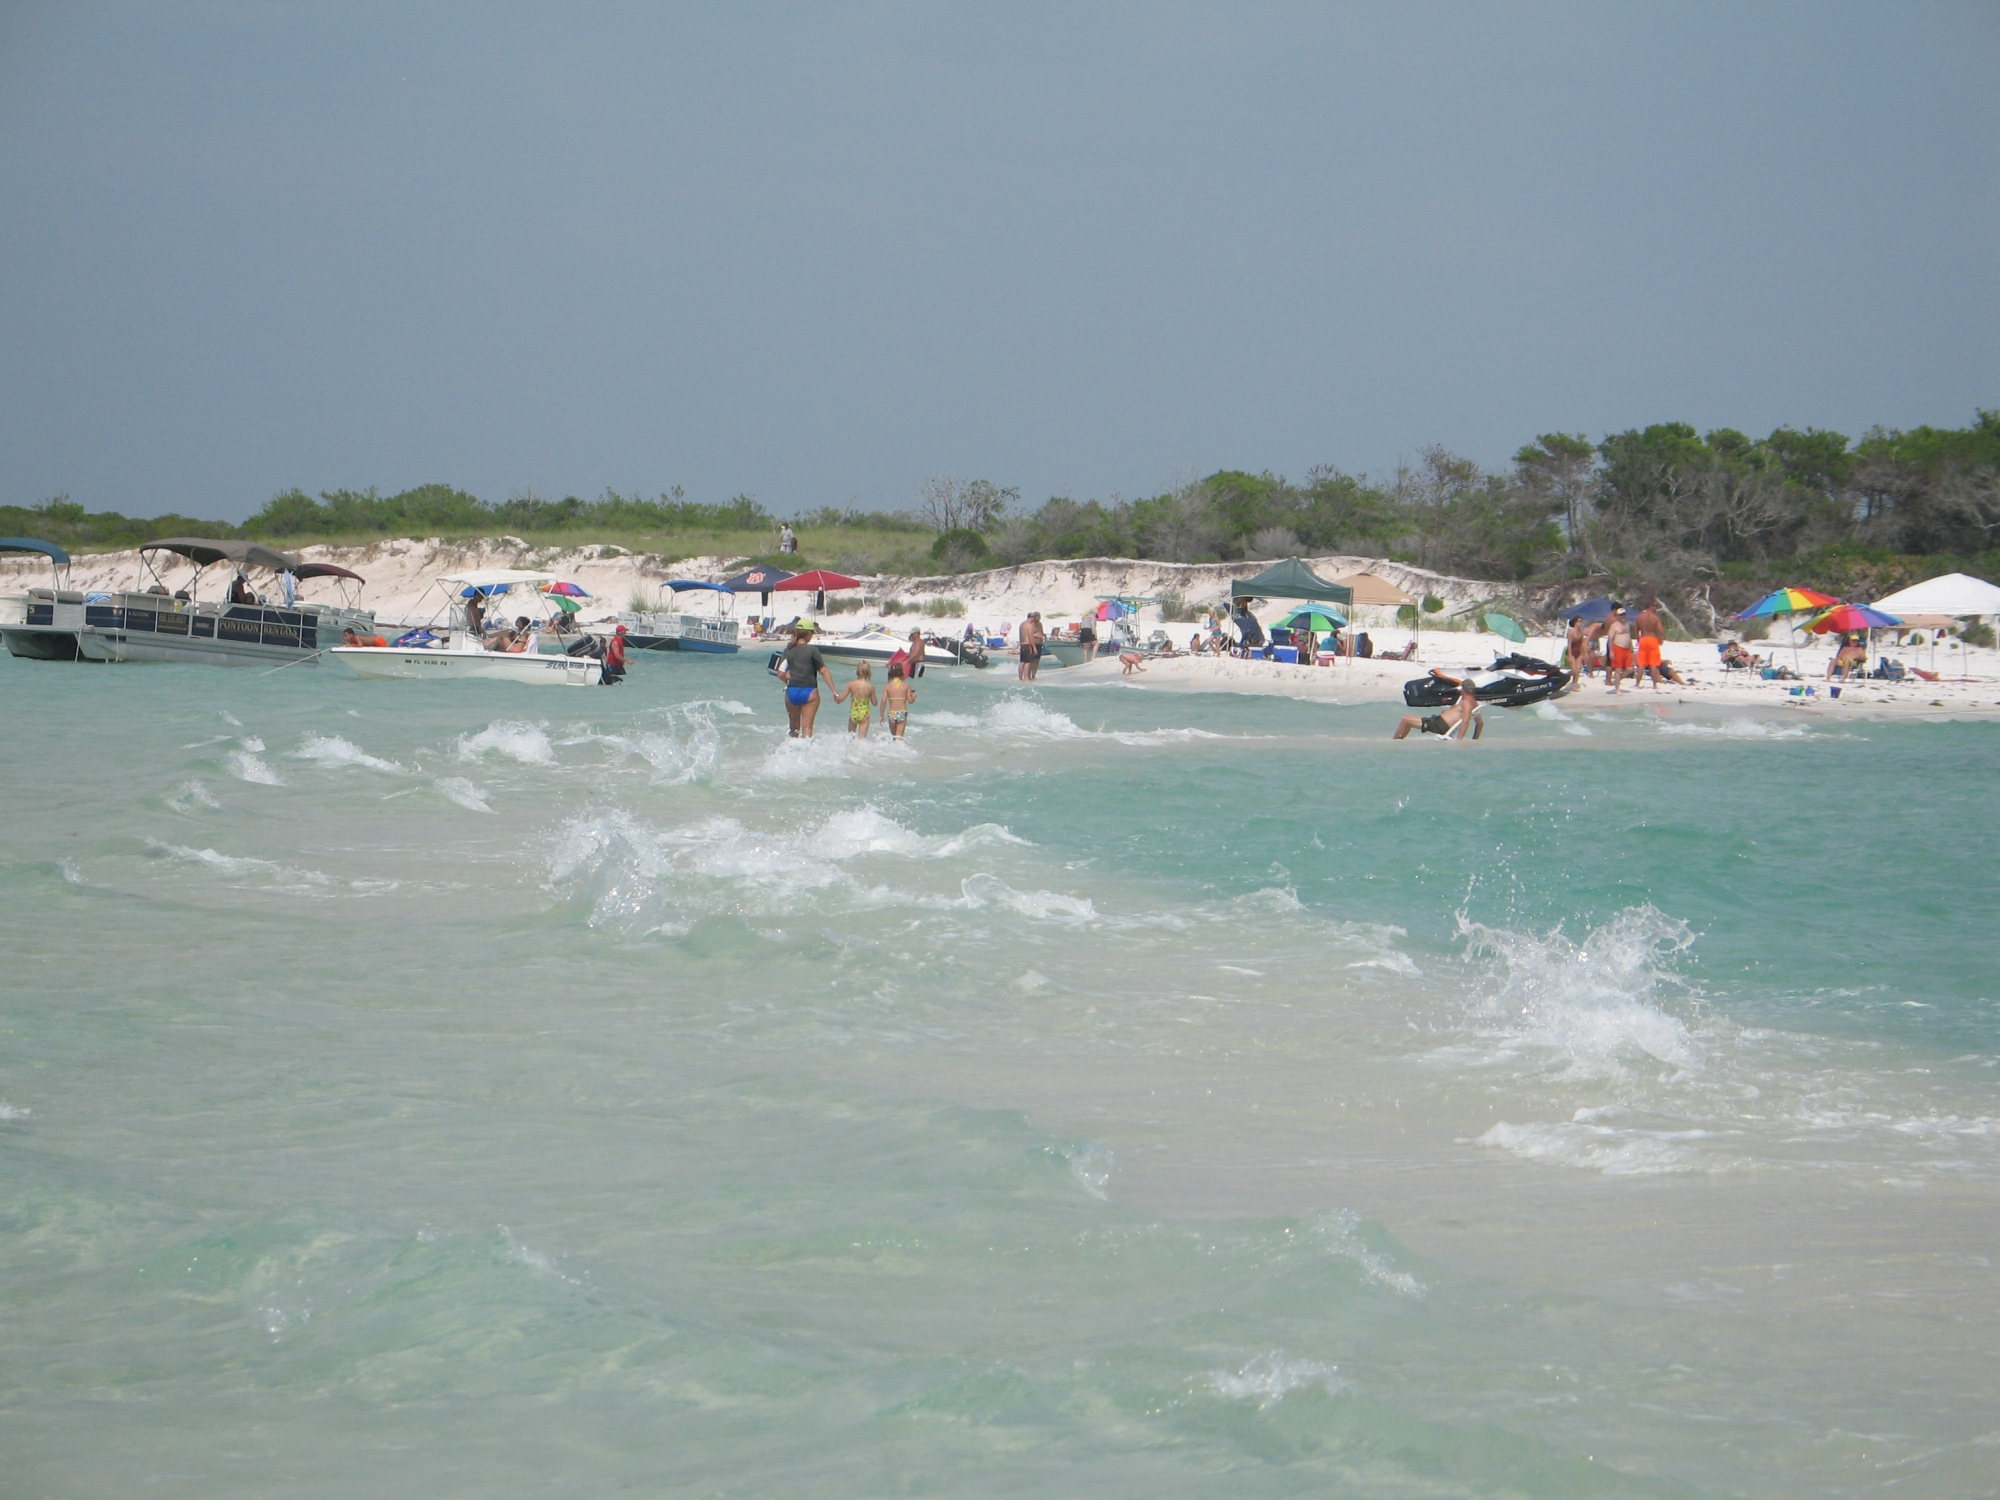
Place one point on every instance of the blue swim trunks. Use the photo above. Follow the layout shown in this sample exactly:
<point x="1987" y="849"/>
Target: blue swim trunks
<point x="798" y="697"/>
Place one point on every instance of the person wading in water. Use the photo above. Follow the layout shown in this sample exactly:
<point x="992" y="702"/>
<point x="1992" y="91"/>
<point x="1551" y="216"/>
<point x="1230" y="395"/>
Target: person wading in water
<point x="803" y="664"/>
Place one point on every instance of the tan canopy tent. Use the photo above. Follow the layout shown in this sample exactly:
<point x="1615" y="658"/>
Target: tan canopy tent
<point x="1371" y="588"/>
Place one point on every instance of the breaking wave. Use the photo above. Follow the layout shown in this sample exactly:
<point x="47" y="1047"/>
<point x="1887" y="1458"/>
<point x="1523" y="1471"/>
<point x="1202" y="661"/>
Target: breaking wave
<point x="332" y="750"/>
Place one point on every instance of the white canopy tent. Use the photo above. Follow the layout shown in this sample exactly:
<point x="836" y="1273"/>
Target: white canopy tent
<point x="1955" y="594"/>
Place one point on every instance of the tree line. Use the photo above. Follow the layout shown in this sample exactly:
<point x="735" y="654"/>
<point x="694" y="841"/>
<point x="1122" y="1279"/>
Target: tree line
<point x="1683" y="510"/>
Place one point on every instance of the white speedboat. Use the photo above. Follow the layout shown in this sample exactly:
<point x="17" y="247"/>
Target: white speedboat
<point x="675" y="629"/>
<point x="453" y="646"/>
<point x="878" y="643"/>
<point x="156" y="623"/>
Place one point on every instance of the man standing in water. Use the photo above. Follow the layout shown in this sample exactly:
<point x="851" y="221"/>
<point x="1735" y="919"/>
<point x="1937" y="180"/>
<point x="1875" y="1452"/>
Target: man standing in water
<point x="802" y="664"/>
<point x="1652" y="635"/>
<point x="1032" y="636"/>
<point x="1618" y="648"/>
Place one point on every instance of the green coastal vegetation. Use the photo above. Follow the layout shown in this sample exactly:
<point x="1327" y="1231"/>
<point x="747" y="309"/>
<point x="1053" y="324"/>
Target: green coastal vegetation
<point x="1716" y="516"/>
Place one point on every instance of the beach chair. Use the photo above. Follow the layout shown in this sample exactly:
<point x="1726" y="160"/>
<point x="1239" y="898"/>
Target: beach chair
<point x="1888" y="671"/>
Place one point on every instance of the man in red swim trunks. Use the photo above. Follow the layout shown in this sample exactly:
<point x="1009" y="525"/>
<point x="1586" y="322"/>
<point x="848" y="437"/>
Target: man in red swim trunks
<point x="1652" y="635"/>
<point x="1618" y="645"/>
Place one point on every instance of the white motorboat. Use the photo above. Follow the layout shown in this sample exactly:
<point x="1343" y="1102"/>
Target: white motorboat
<point x="159" y="624"/>
<point x="453" y="646"/>
<point x="878" y="643"/>
<point x="676" y="629"/>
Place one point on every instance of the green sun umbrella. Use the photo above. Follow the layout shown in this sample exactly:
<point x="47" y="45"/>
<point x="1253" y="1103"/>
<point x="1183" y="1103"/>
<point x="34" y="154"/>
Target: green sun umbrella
<point x="1314" y="620"/>
<point x="1508" y="627"/>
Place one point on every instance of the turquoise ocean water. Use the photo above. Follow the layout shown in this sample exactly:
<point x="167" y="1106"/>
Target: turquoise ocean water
<point x="466" y="1089"/>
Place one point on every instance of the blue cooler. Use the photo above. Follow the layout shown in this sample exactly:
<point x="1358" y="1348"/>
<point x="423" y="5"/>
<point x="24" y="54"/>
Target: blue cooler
<point x="1286" y="654"/>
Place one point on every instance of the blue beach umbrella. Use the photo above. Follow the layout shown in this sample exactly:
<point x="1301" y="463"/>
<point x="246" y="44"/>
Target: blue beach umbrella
<point x="1592" y="610"/>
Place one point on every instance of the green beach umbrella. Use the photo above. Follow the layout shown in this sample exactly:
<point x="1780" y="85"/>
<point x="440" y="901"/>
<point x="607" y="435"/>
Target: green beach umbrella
<point x="1312" y="619"/>
<point x="564" y="603"/>
<point x="1507" y="626"/>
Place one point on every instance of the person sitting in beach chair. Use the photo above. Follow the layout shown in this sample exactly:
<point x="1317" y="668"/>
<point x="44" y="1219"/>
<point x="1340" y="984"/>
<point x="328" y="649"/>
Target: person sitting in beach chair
<point x="1453" y="723"/>
<point x="1249" y="634"/>
<point x="1888" y="671"/>
<point x="1736" y="658"/>
<point x="1408" y="653"/>
<point x="1851" y="660"/>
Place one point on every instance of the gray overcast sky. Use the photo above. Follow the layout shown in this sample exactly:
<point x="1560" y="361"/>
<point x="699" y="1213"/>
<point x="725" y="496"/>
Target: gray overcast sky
<point x="818" y="252"/>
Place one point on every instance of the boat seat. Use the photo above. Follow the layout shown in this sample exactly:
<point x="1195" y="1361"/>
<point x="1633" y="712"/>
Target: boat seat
<point x="69" y="596"/>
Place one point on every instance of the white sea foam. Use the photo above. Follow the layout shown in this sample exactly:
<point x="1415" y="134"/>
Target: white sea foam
<point x="1547" y="710"/>
<point x="464" y="793"/>
<point x="1090" y="1164"/>
<point x="1026" y="719"/>
<point x="943" y="720"/>
<point x="675" y="759"/>
<point x="246" y="765"/>
<point x="189" y="795"/>
<point x="511" y="740"/>
<point x="1269" y="1378"/>
<point x="10" y="1112"/>
<point x="633" y="873"/>
<point x="1590" y="1003"/>
<point x="332" y="750"/>
<point x="1733" y="729"/>
<point x="1594" y="1147"/>
<point x="240" y="866"/>
<point x="863" y="830"/>
<point x="832" y="755"/>
<point x="1340" y="1233"/>
<point x="991" y="890"/>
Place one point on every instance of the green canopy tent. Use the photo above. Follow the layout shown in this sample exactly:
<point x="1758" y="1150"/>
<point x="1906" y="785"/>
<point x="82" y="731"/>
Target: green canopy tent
<point x="1292" y="579"/>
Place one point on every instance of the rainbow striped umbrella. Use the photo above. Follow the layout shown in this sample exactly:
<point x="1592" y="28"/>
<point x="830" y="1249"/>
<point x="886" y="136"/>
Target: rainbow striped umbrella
<point x="1845" y="617"/>
<point x="1788" y="602"/>
<point x="567" y="590"/>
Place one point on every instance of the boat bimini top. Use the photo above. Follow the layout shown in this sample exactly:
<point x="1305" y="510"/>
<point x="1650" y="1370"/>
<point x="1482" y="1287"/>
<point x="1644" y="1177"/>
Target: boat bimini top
<point x="493" y="580"/>
<point x="201" y="551"/>
<point x="35" y="545"/>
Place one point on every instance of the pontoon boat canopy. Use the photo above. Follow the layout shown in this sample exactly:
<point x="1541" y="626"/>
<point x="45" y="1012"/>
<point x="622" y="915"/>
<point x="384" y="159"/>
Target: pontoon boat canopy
<point x="688" y="583"/>
<point x="324" y="570"/>
<point x="201" y="551"/>
<point x="497" y="578"/>
<point x="49" y="550"/>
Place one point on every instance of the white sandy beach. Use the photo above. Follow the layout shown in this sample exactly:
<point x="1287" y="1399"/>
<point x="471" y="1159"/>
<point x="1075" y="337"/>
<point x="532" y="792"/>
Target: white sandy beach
<point x="400" y="571"/>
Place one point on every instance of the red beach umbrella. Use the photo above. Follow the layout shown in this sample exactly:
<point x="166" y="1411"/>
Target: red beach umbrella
<point x="818" y="581"/>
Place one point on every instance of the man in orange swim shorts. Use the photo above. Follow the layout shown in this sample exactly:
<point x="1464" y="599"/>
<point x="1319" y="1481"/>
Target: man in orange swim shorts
<point x="1618" y="648"/>
<point x="1651" y="636"/>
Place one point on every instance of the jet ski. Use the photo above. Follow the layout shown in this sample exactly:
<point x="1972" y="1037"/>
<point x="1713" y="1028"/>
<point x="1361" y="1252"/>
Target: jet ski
<point x="1513" y="681"/>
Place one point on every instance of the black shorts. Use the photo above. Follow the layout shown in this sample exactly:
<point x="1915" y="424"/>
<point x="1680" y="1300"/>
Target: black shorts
<point x="1030" y="653"/>
<point x="1436" y="724"/>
